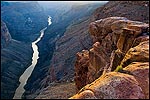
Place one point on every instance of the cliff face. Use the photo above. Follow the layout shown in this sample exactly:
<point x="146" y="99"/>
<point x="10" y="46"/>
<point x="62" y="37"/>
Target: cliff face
<point x="15" y="58"/>
<point x="117" y="62"/>
<point x="77" y="37"/>
<point x="74" y="38"/>
<point x="24" y="20"/>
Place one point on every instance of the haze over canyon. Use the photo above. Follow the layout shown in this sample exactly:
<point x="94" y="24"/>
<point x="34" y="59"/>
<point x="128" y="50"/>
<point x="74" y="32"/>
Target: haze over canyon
<point x="75" y="50"/>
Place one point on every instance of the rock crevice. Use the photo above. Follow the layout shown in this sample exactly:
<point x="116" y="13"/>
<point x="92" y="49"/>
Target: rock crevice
<point x="120" y="45"/>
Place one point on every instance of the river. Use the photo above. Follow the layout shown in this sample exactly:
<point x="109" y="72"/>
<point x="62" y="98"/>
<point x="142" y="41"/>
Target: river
<point x="24" y="77"/>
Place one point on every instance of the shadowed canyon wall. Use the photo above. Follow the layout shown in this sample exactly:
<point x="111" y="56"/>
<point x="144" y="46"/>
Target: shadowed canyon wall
<point x="15" y="58"/>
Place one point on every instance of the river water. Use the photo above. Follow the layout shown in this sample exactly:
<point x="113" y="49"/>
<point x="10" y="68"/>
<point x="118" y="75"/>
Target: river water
<point x="24" y="77"/>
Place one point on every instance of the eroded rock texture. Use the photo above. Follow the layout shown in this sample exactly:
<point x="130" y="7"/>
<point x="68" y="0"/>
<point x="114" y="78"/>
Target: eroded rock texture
<point x="120" y="45"/>
<point x="140" y="70"/>
<point x="113" y="85"/>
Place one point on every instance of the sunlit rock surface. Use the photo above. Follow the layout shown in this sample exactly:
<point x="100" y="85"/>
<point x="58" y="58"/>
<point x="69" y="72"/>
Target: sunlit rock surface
<point x="120" y="46"/>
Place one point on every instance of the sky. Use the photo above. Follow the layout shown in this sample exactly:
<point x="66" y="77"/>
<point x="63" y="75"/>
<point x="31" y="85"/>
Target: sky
<point x="75" y="2"/>
<point x="62" y="1"/>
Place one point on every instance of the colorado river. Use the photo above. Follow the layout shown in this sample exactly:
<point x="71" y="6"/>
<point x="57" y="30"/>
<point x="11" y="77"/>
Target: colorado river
<point x="24" y="77"/>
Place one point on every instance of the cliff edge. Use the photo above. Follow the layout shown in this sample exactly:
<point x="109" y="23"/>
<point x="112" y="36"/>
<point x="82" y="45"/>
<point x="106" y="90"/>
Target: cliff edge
<point x="117" y="66"/>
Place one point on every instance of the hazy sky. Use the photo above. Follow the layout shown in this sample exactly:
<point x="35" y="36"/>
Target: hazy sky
<point x="73" y="1"/>
<point x="62" y="1"/>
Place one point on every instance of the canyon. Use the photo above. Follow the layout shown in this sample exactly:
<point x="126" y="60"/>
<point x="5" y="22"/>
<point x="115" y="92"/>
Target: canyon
<point x="16" y="52"/>
<point x="40" y="77"/>
<point x="24" y="20"/>
<point x="86" y="45"/>
<point x="82" y="40"/>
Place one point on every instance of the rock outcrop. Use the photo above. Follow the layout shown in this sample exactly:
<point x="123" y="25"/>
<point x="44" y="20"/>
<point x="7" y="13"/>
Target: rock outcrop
<point x="120" y="45"/>
<point x="140" y="70"/>
<point x="15" y="58"/>
<point x="76" y="37"/>
<point x="113" y="85"/>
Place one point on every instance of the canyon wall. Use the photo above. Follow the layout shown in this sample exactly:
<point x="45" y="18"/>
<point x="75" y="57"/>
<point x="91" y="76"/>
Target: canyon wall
<point x="76" y="37"/>
<point x="23" y="19"/>
<point x="133" y="10"/>
<point x="15" y="58"/>
<point x="46" y="70"/>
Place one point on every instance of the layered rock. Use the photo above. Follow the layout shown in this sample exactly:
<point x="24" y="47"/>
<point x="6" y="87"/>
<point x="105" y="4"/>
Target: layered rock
<point x="102" y="89"/>
<point x="140" y="53"/>
<point x="24" y="19"/>
<point x="75" y="38"/>
<point x="57" y="49"/>
<point x="122" y="42"/>
<point x="133" y="10"/>
<point x="15" y="58"/>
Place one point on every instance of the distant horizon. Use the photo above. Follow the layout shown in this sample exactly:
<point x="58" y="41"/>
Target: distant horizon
<point x="59" y="1"/>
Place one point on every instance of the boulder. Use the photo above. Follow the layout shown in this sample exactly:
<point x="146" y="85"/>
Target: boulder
<point x="140" y="70"/>
<point x="100" y="28"/>
<point x="113" y="85"/>
<point x="140" y="53"/>
<point x="87" y="94"/>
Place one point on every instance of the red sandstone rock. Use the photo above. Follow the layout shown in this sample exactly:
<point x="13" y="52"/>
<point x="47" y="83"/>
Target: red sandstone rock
<point x="113" y="85"/>
<point x="81" y="69"/>
<point x="99" y="29"/>
<point x="139" y="53"/>
<point x="119" y="41"/>
<point x="121" y="34"/>
<point x="140" y="39"/>
<point x="87" y="94"/>
<point x="140" y="70"/>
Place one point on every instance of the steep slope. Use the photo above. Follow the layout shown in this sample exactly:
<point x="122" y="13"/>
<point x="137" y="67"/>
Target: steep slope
<point x="47" y="45"/>
<point x="133" y="10"/>
<point x="117" y="62"/>
<point x="57" y="91"/>
<point x="15" y="58"/>
<point x="63" y="58"/>
<point x="77" y="37"/>
<point x="24" y="19"/>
